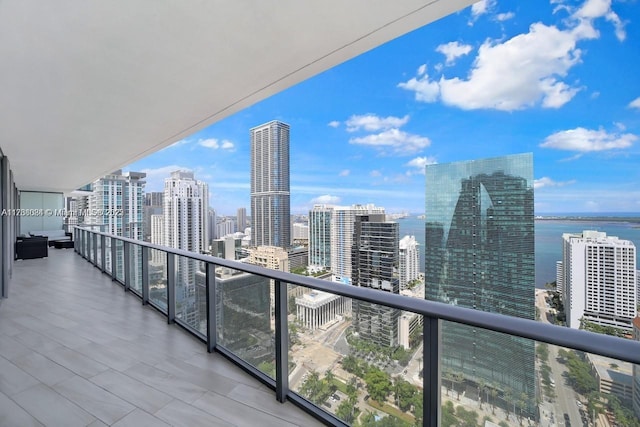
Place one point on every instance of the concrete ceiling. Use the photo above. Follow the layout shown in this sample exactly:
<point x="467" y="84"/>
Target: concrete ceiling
<point x="87" y="87"/>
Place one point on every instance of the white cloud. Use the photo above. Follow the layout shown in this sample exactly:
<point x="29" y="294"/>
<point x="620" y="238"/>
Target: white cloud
<point x="344" y="172"/>
<point x="635" y="103"/>
<point x="481" y="7"/>
<point x="333" y="124"/>
<point x="501" y="17"/>
<point x="326" y="199"/>
<point x="372" y="123"/>
<point x="375" y="173"/>
<point x="586" y="140"/>
<point x="526" y="70"/>
<point x="548" y="182"/>
<point x="452" y="51"/>
<point x="419" y="164"/>
<point x="215" y="144"/>
<point x="592" y="9"/>
<point x="394" y="141"/>
<point x="425" y="89"/>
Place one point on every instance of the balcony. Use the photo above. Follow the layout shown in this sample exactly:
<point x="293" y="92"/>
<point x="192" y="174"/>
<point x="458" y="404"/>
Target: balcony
<point x="75" y="349"/>
<point x="77" y="337"/>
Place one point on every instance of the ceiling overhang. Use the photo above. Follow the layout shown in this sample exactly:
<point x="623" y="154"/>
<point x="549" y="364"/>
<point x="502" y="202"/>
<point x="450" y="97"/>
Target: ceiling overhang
<point x="88" y="87"/>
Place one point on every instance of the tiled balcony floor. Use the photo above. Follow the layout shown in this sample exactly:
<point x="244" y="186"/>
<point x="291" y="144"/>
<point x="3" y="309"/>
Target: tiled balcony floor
<point x="76" y="350"/>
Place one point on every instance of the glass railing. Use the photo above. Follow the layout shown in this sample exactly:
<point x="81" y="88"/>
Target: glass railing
<point x="352" y="355"/>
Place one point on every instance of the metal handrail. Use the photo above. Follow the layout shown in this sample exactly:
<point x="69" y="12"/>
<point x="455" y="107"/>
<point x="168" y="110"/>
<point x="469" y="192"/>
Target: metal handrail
<point x="604" y="345"/>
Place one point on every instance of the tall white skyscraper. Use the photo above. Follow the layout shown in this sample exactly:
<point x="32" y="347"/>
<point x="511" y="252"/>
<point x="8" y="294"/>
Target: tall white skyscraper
<point x="185" y="223"/>
<point x="408" y="266"/>
<point x="599" y="279"/>
<point x="116" y="204"/>
<point x="270" y="196"/>
<point x="342" y="226"/>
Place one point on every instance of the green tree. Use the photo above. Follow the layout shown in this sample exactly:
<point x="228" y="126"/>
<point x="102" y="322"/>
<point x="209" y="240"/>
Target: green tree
<point x="347" y="411"/>
<point x="329" y="378"/>
<point x="467" y="418"/>
<point x="494" y="393"/>
<point x="448" y="418"/>
<point x="417" y="407"/>
<point x="403" y="393"/>
<point x="378" y="384"/>
<point x="458" y="378"/>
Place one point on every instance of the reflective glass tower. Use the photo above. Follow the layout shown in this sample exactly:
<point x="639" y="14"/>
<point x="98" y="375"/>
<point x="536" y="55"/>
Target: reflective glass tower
<point x="270" y="196"/>
<point x="375" y="262"/>
<point x="479" y="253"/>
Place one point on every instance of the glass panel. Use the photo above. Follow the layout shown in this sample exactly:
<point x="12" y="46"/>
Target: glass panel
<point x="348" y="358"/>
<point x="119" y="261"/>
<point x="135" y="268"/>
<point x="514" y="381"/>
<point x="191" y="296"/>
<point x="91" y="240"/>
<point x="107" y="248"/>
<point x="158" y="279"/>
<point x="245" y="323"/>
<point x="85" y="243"/>
<point x="99" y="247"/>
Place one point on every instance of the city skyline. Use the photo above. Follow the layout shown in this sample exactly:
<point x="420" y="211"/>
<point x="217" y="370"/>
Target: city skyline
<point x="363" y="131"/>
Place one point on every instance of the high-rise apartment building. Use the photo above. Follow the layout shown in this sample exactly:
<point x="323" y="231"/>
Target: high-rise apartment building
<point x="320" y="237"/>
<point x="116" y="204"/>
<point x="185" y="227"/>
<point x="408" y="264"/>
<point x="479" y="253"/>
<point x="241" y="217"/>
<point x="343" y="219"/>
<point x="300" y="232"/>
<point x="225" y="227"/>
<point x="270" y="196"/>
<point x="375" y="262"/>
<point x="599" y="279"/>
<point x="157" y="238"/>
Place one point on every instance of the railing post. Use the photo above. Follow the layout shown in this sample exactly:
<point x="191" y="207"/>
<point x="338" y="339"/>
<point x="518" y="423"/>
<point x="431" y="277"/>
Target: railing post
<point x="126" y="249"/>
<point x="145" y="275"/>
<point x="76" y="240"/>
<point x="212" y="307"/>
<point x="171" y="288"/>
<point x="431" y="371"/>
<point x="282" y="342"/>
<point x="103" y="253"/>
<point x="114" y="257"/>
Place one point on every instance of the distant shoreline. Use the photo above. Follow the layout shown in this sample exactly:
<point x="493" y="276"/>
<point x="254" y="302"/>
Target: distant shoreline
<point x="632" y="219"/>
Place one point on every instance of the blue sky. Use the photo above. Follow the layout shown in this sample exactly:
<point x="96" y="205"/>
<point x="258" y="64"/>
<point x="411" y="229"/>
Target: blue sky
<point x="560" y="79"/>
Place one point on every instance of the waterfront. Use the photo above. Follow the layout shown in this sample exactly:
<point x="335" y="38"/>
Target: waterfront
<point x="548" y="238"/>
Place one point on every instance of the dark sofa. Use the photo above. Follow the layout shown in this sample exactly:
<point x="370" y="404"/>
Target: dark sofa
<point x="32" y="247"/>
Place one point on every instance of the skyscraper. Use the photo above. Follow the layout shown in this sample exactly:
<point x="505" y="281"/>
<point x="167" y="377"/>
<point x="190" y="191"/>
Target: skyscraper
<point x="343" y="219"/>
<point x="241" y="217"/>
<point x="185" y="227"/>
<point x="479" y="253"/>
<point x="599" y="279"/>
<point x="118" y="192"/>
<point x="152" y="206"/>
<point x="408" y="267"/>
<point x="375" y="260"/>
<point x="270" y="197"/>
<point x="320" y="237"/>
<point x="116" y="206"/>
